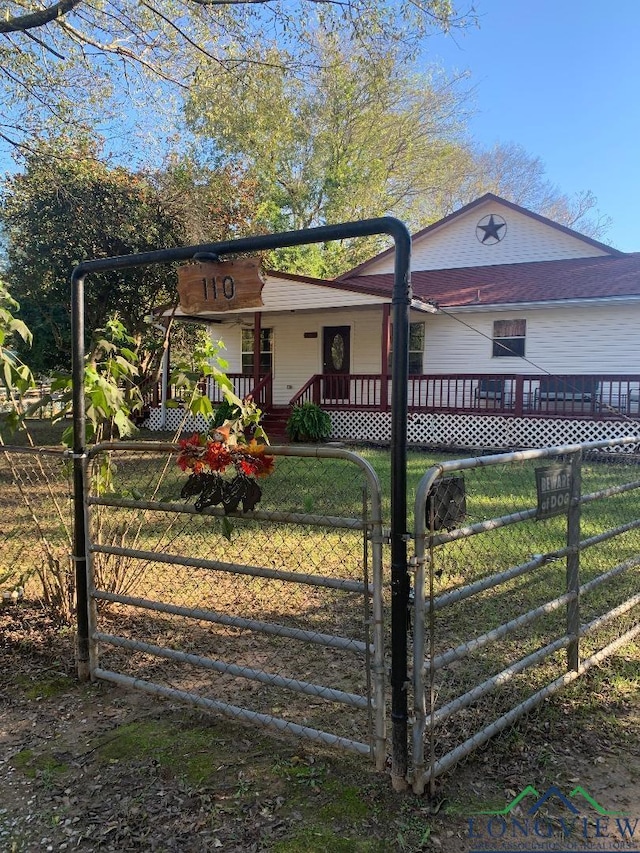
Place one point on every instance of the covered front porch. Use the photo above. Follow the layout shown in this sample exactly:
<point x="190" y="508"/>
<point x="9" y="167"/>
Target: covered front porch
<point x="533" y="395"/>
<point x="591" y="396"/>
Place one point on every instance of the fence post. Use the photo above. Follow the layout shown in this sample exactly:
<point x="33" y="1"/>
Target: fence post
<point x="400" y="591"/>
<point x="573" y="563"/>
<point x="79" y="475"/>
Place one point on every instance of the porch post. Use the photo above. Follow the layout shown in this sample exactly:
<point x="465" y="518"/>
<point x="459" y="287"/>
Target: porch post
<point x="257" y="328"/>
<point x="519" y="401"/>
<point x="164" y="391"/>
<point x="384" y="350"/>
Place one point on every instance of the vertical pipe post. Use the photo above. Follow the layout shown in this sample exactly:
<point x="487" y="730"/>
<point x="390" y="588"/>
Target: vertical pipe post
<point x="79" y="451"/>
<point x="401" y="302"/>
<point x="257" y="341"/>
<point x="573" y="563"/>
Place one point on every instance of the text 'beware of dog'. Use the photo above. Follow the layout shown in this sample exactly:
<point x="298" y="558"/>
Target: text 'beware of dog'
<point x="553" y="483"/>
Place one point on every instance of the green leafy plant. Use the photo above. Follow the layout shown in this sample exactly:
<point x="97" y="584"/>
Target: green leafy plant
<point x="242" y="417"/>
<point x="308" y="422"/>
<point x="111" y="391"/>
<point x="15" y="377"/>
<point x="225" y="411"/>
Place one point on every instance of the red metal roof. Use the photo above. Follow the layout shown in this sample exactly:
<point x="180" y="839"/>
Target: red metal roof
<point x="540" y="281"/>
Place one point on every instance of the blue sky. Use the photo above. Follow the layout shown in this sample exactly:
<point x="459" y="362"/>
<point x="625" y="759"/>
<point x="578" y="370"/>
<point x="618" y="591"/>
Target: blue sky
<point x="562" y="79"/>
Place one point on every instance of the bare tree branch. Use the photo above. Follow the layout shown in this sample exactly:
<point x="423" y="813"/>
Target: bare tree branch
<point x="121" y="51"/>
<point x="181" y="33"/>
<point x="38" y="19"/>
<point x="44" y="45"/>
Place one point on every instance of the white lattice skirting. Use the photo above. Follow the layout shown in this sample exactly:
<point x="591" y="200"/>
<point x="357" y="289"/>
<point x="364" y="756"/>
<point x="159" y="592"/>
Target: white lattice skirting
<point x="173" y="420"/>
<point x="442" y="430"/>
<point x="470" y="431"/>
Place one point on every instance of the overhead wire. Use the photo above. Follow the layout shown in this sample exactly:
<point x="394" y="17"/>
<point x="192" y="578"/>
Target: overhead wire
<point x="563" y="380"/>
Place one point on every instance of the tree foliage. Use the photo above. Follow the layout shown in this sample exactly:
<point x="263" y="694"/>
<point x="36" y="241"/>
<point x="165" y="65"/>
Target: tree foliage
<point x="75" y="63"/>
<point x="16" y="377"/>
<point x="206" y="204"/>
<point x="64" y="208"/>
<point x="361" y="136"/>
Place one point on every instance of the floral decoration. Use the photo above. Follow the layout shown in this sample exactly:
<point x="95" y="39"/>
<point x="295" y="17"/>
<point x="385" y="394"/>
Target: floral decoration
<point x="208" y="458"/>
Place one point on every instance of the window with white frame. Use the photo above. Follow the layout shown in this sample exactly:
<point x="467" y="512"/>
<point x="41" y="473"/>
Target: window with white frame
<point x="509" y="338"/>
<point x="266" y="351"/>
<point x="416" y="347"/>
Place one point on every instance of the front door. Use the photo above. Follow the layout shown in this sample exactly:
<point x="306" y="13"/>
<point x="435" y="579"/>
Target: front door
<point x="336" y="362"/>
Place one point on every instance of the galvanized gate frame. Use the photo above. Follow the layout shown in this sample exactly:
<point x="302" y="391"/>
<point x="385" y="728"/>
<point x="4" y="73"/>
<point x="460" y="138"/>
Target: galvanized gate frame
<point x="401" y="301"/>
<point x="371" y="526"/>
<point x="426" y="603"/>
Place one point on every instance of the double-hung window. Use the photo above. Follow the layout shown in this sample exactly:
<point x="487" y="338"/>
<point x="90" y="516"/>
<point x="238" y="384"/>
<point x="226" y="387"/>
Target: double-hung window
<point x="509" y="338"/>
<point x="266" y="351"/>
<point x="416" y="348"/>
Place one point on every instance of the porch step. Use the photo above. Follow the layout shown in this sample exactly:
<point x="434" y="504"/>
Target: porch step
<point x="274" y="423"/>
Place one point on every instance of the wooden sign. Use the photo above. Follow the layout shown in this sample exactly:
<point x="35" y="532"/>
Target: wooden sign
<point x="220" y="285"/>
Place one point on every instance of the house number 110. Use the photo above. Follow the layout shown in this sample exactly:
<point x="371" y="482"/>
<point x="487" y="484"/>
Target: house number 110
<point x="212" y="288"/>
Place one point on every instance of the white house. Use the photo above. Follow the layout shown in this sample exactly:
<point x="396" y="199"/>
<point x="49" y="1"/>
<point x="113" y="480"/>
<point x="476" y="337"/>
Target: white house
<point x="522" y="332"/>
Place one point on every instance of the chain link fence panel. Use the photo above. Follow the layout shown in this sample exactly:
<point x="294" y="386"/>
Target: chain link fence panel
<point x="510" y="604"/>
<point x="36" y="530"/>
<point x="273" y="616"/>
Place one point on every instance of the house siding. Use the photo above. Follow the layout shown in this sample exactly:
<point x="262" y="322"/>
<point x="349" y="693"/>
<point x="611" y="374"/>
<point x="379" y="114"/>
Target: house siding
<point x="296" y="358"/>
<point x="559" y="340"/>
<point x="455" y="244"/>
<point x="286" y="295"/>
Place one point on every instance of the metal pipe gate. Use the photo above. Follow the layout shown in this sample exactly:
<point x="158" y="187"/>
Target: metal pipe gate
<point x="199" y="609"/>
<point x="473" y="644"/>
<point x="398" y="537"/>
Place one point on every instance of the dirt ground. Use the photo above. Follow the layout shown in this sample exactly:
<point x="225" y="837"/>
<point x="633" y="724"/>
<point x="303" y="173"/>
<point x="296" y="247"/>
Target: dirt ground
<point x="95" y="767"/>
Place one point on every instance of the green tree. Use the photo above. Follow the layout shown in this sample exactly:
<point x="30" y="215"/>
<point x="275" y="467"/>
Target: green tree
<point x="207" y="204"/>
<point x="75" y="63"/>
<point x="361" y="136"/>
<point x="66" y="207"/>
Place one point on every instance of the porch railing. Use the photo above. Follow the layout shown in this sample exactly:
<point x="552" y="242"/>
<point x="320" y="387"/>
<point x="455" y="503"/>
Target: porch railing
<point x="243" y="386"/>
<point x="536" y="395"/>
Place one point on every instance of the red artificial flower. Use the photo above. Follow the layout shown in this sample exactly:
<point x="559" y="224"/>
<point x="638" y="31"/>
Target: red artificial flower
<point x="218" y="457"/>
<point x="198" y="454"/>
<point x="259" y="463"/>
<point x="191" y="452"/>
<point x="247" y="467"/>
